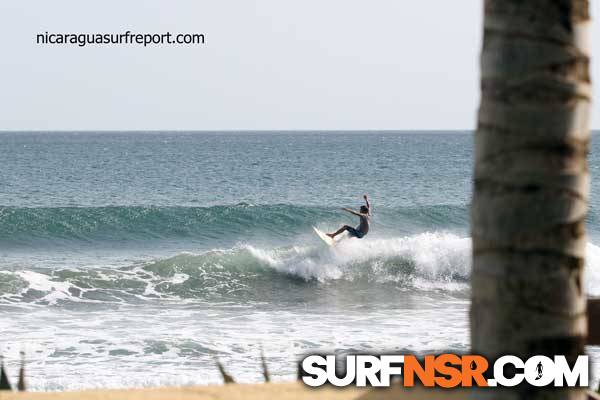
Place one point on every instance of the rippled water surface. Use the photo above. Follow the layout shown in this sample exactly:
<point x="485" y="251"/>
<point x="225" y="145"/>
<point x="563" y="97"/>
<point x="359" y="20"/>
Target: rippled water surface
<point x="133" y="259"/>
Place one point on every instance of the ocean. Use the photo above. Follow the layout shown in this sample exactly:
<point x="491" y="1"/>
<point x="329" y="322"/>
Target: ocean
<point x="134" y="259"/>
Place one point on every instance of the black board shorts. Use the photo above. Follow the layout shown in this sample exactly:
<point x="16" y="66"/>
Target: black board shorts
<point x="355" y="233"/>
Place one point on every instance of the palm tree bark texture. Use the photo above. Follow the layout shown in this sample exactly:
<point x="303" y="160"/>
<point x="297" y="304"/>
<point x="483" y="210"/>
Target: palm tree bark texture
<point x="531" y="185"/>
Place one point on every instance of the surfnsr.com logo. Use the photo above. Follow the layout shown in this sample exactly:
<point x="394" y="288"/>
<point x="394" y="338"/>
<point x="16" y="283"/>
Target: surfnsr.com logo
<point x="444" y="371"/>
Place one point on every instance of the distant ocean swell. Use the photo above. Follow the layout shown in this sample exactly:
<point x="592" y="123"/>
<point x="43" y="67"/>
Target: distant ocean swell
<point x="34" y="226"/>
<point x="428" y="261"/>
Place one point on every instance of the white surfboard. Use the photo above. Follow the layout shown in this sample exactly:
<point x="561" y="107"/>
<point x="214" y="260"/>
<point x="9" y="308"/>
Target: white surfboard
<point x="324" y="237"/>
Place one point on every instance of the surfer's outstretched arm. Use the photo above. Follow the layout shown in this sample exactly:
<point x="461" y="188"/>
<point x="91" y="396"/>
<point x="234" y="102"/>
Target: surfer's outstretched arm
<point x="352" y="212"/>
<point x="358" y="214"/>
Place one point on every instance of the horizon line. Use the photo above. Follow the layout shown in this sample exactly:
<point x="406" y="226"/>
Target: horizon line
<point x="232" y="131"/>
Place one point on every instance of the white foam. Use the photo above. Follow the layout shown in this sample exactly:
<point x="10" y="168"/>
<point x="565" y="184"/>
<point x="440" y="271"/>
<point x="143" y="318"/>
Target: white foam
<point x="179" y="278"/>
<point x="43" y="283"/>
<point x="435" y="256"/>
<point x="592" y="270"/>
<point x="190" y="335"/>
<point x="439" y="258"/>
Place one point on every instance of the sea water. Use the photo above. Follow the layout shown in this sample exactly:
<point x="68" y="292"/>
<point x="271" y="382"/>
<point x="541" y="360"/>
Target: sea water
<point x="135" y="259"/>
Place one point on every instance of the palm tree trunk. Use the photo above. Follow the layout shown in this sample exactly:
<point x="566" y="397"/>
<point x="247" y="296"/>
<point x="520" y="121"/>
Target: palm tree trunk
<point x="531" y="184"/>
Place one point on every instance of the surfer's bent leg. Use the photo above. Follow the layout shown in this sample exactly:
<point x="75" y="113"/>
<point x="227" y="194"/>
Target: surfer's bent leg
<point x="341" y="230"/>
<point x="351" y="230"/>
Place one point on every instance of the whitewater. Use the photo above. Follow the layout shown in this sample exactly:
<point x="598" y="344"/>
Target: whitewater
<point x="133" y="260"/>
<point x="427" y="261"/>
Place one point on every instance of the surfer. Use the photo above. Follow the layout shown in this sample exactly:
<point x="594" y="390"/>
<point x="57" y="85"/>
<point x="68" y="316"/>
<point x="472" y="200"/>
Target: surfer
<point x="363" y="228"/>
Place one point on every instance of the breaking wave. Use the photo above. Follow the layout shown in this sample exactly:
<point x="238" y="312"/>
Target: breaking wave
<point x="435" y="261"/>
<point x="428" y="261"/>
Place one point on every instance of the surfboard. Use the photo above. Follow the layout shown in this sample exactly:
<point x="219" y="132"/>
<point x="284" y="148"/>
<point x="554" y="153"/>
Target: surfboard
<point x="329" y="241"/>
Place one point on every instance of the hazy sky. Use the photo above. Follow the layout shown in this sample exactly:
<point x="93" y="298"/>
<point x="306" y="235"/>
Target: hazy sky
<point x="266" y="64"/>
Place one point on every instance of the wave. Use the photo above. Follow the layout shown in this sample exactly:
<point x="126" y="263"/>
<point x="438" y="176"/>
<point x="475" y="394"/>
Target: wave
<point x="429" y="261"/>
<point x="437" y="261"/>
<point x="56" y="225"/>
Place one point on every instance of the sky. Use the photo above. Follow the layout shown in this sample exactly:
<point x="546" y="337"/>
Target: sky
<point x="265" y="65"/>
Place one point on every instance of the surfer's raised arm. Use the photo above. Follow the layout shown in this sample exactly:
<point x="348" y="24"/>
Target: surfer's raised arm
<point x="368" y="204"/>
